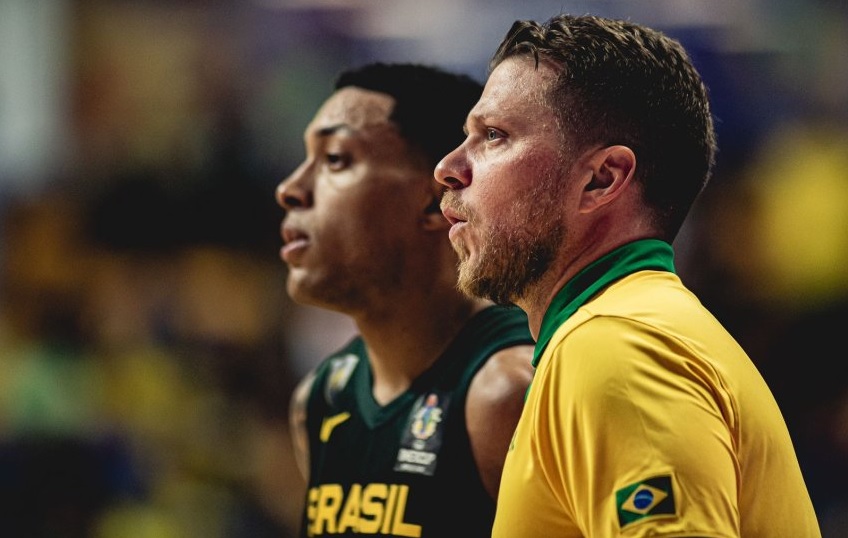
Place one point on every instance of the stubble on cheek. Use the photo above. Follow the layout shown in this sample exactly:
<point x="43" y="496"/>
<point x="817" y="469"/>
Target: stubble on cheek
<point x="509" y="259"/>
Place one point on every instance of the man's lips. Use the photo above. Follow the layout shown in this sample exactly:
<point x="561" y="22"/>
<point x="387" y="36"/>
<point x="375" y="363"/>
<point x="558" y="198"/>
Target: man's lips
<point x="452" y="216"/>
<point x="294" y="241"/>
<point x="456" y="221"/>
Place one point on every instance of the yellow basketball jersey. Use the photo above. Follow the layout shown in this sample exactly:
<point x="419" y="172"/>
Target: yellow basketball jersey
<point x="646" y="418"/>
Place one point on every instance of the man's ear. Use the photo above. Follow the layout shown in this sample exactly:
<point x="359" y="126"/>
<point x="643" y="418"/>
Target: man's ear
<point x="612" y="169"/>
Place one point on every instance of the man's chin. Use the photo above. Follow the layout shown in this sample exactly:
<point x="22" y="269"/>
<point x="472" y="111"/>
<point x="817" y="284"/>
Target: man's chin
<point x="470" y="283"/>
<point x="300" y="288"/>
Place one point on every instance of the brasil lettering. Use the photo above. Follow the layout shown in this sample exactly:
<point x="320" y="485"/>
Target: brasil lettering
<point x="372" y="509"/>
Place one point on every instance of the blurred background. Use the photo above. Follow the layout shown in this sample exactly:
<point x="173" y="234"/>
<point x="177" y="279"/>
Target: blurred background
<point x="147" y="346"/>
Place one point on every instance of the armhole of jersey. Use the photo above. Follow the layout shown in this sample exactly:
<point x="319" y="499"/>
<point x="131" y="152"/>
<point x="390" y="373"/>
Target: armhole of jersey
<point x="510" y="330"/>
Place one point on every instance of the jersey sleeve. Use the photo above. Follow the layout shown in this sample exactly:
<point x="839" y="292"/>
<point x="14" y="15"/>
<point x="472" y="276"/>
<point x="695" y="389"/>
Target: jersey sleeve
<point x="640" y="432"/>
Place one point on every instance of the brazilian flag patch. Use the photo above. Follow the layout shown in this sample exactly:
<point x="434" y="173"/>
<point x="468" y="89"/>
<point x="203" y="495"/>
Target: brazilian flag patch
<point x="651" y="497"/>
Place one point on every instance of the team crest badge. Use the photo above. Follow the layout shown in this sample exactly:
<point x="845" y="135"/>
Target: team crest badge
<point x="427" y="418"/>
<point x="422" y="437"/>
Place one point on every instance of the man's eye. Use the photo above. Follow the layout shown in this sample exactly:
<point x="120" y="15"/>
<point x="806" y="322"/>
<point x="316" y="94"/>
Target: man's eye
<point x="336" y="161"/>
<point x="493" y="134"/>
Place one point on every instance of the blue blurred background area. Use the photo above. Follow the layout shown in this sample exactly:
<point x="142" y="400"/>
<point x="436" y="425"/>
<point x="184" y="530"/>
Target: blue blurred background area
<point x="147" y="345"/>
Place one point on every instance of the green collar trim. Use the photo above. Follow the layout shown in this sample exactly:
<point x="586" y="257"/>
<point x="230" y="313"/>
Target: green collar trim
<point x="641" y="255"/>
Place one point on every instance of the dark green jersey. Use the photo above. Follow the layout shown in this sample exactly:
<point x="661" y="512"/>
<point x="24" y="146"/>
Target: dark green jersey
<point x="406" y="468"/>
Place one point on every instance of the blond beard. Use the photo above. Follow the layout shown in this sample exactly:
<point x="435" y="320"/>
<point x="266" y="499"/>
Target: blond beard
<point x="511" y="257"/>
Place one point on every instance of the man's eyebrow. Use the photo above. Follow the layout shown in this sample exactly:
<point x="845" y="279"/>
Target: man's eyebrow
<point x="330" y="130"/>
<point x="473" y="118"/>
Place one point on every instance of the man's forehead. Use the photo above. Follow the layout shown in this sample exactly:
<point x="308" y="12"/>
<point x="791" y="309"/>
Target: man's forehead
<point x="355" y="109"/>
<point x="515" y="90"/>
<point x="518" y="77"/>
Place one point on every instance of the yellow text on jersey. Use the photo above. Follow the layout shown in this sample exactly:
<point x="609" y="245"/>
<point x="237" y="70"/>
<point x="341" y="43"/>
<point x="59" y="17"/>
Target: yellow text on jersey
<point x="371" y="509"/>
